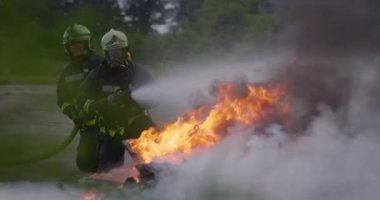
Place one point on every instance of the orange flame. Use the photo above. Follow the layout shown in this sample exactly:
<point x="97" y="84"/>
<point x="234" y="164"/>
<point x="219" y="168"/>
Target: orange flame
<point x="89" y="195"/>
<point x="205" y="126"/>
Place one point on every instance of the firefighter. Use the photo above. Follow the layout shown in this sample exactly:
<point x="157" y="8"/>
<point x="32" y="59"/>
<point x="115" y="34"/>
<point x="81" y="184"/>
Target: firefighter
<point x="77" y="44"/>
<point x="106" y="94"/>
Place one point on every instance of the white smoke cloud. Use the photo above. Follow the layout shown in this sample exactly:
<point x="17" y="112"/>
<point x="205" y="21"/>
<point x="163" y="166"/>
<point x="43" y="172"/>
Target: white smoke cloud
<point x="335" y="158"/>
<point x="326" y="163"/>
<point x="38" y="191"/>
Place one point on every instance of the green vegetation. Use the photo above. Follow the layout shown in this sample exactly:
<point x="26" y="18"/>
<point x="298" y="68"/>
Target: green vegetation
<point x="31" y="31"/>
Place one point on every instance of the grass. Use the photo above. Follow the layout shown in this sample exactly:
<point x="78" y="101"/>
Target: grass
<point x="15" y="79"/>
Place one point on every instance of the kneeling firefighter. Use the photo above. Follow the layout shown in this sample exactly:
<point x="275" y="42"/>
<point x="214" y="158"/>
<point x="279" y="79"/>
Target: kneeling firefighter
<point x="106" y="95"/>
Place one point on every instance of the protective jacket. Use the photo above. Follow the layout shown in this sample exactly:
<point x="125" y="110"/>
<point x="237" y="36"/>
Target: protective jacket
<point x="106" y="94"/>
<point x="70" y="80"/>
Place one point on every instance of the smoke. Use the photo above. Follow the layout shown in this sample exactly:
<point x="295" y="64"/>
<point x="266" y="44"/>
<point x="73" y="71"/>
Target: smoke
<point x="331" y="151"/>
<point x="324" y="164"/>
<point x="329" y="28"/>
<point x="40" y="191"/>
<point x="327" y="44"/>
<point x="335" y="158"/>
<point x="333" y="42"/>
<point x="334" y="155"/>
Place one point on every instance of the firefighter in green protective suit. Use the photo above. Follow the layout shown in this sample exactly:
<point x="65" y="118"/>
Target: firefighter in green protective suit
<point x="77" y="44"/>
<point x="106" y="95"/>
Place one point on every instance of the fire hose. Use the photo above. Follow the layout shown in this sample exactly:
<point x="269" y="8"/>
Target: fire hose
<point x="44" y="155"/>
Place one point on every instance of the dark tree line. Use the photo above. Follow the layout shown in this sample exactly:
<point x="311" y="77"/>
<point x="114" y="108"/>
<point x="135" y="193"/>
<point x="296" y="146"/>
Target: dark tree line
<point x="33" y="29"/>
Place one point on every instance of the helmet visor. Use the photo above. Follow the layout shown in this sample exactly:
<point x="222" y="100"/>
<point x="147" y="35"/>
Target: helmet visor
<point x="116" y="56"/>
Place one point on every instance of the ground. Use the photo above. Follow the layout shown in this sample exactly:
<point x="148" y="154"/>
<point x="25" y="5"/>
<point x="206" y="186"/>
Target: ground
<point x="31" y="123"/>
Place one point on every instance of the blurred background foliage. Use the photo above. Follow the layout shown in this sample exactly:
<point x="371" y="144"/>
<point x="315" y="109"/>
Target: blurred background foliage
<point x="162" y="33"/>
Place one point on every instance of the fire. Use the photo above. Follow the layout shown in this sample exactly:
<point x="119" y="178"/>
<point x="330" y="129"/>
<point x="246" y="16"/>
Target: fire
<point x="205" y="126"/>
<point x="90" y="195"/>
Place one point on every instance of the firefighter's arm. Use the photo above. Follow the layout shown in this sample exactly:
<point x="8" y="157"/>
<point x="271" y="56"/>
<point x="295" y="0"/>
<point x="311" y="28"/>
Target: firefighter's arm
<point x="64" y="103"/>
<point x="88" y="104"/>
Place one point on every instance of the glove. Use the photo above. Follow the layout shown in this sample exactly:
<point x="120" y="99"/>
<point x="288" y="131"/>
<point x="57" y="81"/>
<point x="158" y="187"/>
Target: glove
<point x="96" y="107"/>
<point x="74" y="115"/>
<point x="79" y="119"/>
<point x="71" y="112"/>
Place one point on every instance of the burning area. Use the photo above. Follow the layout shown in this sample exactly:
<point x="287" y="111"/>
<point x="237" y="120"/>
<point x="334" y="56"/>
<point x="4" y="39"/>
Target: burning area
<point x="244" y="104"/>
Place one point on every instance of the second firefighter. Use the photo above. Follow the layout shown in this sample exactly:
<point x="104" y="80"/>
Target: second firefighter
<point x="106" y="95"/>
